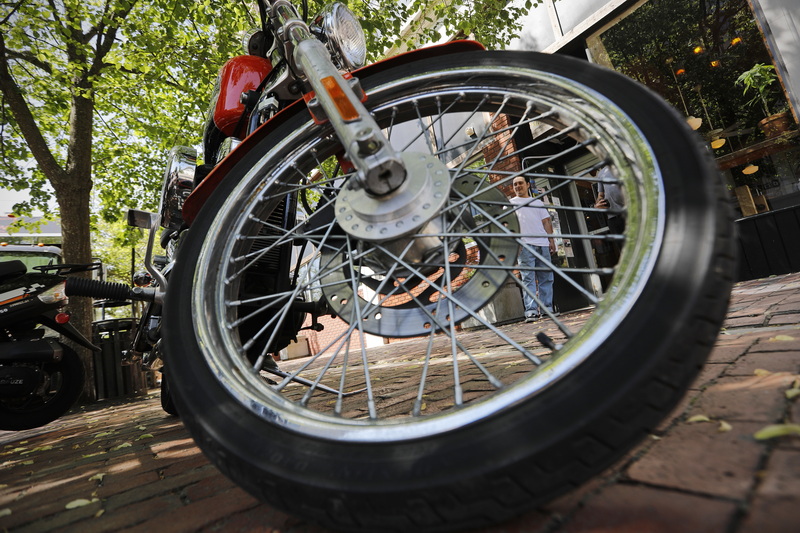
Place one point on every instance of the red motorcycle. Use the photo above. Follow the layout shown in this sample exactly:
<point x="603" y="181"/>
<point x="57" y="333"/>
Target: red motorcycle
<point x="366" y="205"/>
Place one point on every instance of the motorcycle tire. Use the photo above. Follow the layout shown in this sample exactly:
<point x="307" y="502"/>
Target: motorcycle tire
<point x="64" y="384"/>
<point x="498" y="419"/>
<point x="167" y="402"/>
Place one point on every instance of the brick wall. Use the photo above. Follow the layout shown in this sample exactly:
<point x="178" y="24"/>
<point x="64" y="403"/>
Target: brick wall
<point x="503" y="146"/>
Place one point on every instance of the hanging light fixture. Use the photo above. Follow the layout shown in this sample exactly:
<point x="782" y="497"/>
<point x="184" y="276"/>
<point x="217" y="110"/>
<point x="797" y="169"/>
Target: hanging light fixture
<point x="750" y="169"/>
<point x="717" y="143"/>
<point x="694" y="122"/>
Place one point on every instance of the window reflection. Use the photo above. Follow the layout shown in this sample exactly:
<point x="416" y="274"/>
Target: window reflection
<point x="696" y="55"/>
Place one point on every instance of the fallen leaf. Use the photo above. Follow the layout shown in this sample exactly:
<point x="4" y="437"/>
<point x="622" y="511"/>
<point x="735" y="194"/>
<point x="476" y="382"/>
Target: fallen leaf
<point x="28" y="462"/>
<point x="141" y="428"/>
<point x="104" y="434"/>
<point x="792" y="393"/>
<point x="5" y="512"/>
<point x="698" y="418"/>
<point x="145" y="436"/>
<point x="761" y="372"/>
<point x="724" y="426"/>
<point x="98" y="477"/>
<point x="80" y="502"/>
<point x="99" y="513"/>
<point x="777" y="430"/>
<point x="123" y="445"/>
<point x="39" y="449"/>
<point x="92" y="455"/>
<point x="779" y="338"/>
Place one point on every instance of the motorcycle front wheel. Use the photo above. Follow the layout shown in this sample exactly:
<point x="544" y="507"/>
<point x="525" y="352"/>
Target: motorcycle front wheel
<point x="468" y="415"/>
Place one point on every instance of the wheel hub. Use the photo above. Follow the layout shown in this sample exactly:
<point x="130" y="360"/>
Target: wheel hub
<point x="399" y="287"/>
<point x="402" y="212"/>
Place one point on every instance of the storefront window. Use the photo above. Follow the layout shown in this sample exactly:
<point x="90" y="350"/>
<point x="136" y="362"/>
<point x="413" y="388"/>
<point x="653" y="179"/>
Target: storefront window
<point x="695" y="54"/>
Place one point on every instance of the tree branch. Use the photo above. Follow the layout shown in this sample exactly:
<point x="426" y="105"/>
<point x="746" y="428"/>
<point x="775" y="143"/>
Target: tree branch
<point x="11" y="13"/>
<point x="29" y="58"/>
<point x="106" y="38"/>
<point x="25" y="119"/>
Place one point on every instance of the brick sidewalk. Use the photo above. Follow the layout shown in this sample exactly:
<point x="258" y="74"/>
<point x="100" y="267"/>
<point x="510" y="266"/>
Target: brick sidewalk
<point x="125" y="465"/>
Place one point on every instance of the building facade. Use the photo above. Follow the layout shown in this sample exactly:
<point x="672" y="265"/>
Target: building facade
<point x="695" y="54"/>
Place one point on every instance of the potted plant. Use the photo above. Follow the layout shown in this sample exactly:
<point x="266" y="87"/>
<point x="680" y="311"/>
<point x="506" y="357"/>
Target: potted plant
<point x="759" y="79"/>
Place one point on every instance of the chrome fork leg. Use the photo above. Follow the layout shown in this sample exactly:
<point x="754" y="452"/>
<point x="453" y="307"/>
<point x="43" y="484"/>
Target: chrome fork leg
<point x="379" y="169"/>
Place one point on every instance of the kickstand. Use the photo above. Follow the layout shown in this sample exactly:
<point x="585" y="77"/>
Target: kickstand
<point x="309" y="383"/>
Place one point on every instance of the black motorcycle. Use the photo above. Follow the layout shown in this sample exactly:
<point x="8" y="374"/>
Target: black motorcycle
<point x="41" y="377"/>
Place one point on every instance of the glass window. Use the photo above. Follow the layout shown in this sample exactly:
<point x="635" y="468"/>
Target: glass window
<point x="695" y="54"/>
<point x="572" y="13"/>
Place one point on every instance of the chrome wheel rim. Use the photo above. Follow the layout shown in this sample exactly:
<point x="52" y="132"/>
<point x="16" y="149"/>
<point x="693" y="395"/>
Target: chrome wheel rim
<point x="301" y="164"/>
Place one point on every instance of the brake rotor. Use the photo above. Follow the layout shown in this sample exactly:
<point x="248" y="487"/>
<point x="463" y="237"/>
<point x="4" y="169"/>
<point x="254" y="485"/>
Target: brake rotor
<point x="399" y="289"/>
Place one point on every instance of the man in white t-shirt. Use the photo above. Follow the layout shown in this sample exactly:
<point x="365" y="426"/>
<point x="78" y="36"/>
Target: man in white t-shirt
<point x="610" y="196"/>
<point x="535" y="228"/>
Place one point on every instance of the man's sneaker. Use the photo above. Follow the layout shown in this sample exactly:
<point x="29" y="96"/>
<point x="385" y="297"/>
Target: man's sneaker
<point x="533" y="318"/>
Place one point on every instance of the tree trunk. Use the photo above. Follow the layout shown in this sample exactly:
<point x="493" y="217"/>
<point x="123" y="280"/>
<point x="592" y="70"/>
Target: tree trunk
<point x="76" y="242"/>
<point x="73" y="195"/>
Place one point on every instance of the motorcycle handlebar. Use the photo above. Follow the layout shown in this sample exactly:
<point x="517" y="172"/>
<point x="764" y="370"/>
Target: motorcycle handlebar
<point x="105" y="289"/>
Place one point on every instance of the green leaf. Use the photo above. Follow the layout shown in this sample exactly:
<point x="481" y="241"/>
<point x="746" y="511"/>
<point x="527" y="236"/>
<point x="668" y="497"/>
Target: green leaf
<point x="80" y="502"/>
<point x="777" y="430"/>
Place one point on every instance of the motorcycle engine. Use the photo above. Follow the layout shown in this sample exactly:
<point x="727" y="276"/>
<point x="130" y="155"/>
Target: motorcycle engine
<point x="16" y="381"/>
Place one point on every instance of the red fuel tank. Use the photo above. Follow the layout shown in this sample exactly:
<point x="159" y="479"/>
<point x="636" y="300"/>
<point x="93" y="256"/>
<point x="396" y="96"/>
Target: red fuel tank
<point x="239" y="74"/>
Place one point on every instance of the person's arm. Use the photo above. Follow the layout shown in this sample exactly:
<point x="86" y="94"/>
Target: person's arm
<point x="548" y="227"/>
<point x="601" y="203"/>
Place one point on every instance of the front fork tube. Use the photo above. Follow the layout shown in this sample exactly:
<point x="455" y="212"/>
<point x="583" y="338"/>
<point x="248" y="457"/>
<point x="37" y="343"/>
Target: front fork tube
<point x="379" y="169"/>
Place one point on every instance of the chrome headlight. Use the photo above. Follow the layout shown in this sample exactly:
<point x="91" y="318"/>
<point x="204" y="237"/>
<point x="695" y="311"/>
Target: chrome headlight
<point x="341" y="31"/>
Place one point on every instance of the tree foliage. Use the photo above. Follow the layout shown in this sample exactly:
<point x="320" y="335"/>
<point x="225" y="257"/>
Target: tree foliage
<point x="144" y="71"/>
<point x="692" y="52"/>
<point x="95" y="92"/>
<point x="400" y="25"/>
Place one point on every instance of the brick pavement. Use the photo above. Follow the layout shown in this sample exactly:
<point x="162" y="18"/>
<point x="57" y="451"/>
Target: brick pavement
<point x="125" y="465"/>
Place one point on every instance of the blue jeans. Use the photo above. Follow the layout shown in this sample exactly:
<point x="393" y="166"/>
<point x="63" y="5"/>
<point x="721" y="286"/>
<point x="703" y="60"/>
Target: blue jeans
<point x="532" y="278"/>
